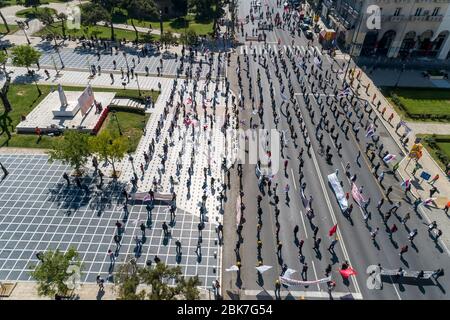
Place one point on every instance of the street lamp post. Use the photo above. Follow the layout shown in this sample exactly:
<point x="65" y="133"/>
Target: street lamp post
<point x="117" y="120"/>
<point x="59" y="55"/>
<point x="130" y="158"/>
<point x="54" y="65"/>
<point x="22" y="26"/>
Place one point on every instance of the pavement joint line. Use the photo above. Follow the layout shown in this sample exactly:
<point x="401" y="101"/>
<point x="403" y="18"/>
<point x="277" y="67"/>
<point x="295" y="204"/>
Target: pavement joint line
<point x="306" y="294"/>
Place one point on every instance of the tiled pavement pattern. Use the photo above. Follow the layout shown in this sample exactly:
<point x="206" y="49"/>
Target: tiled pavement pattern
<point x="203" y="153"/>
<point x="83" y="58"/>
<point x="38" y="212"/>
<point x="260" y="49"/>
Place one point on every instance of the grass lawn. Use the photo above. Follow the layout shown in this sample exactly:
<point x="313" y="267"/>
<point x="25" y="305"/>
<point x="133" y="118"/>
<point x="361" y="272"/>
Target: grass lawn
<point x="101" y="32"/>
<point x="131" y="125"/>
<point x="24" y="98"/>
<point x="418" y="101"/>
<point x="439" y="148"/>
<point x="30" y="13"/>
<point x="176" y="25"/>
<point x="12" y="28"/>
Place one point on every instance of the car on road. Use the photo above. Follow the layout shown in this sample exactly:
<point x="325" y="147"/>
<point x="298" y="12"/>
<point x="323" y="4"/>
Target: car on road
<point x="309" y="35"/>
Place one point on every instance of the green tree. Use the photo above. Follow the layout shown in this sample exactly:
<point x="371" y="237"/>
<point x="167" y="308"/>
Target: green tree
<point x="168" y="38"/>
<point x="73" y="150"/>
<point x="140" y="10"/>
<point x="117" y="150"/>
<point x="191" y="37"/>
<point x="109" y="147"/>
<point x="32" y="3"/>
<point x="180" y="6"/>
<point x="92" y="13"/>
<point x="109" y="6"/>
<point x="203" y="8"/>
<point x="52" y="274"/>
<point x="157" y="279"/>
<point x="25" y="56"/>
<point x="127" y="280"/>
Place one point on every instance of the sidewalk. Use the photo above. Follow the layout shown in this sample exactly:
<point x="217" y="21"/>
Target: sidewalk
<point x="429" y="165"/>
<point x="88" y="291"/>
<point x="27" y="290"/>
<point x="407" y="78"/>
<point x="139" y="29"/>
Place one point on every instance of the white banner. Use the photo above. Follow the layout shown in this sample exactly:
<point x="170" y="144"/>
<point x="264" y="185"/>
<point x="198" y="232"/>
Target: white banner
<point x="293" y="282"/>
<point x="340" y="195"/>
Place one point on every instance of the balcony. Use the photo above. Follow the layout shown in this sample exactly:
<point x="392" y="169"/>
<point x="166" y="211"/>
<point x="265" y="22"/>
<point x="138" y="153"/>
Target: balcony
<point x="437" y="18"/>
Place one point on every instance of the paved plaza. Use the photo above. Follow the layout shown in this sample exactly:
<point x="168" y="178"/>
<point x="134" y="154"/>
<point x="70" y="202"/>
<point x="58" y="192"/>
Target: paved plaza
<point x="39" y="212"/>
<point x="82" y="59"/>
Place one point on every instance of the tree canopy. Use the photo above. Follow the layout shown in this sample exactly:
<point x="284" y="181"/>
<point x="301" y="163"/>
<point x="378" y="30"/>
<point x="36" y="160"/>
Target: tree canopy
<point x="24" y="56"/>
<point x="73" y="149"/>
<point x="52" y="273"/>
<point x="129" y="276"/>
<point x="109" y="147"/>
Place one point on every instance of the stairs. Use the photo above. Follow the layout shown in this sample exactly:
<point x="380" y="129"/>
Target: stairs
<point x="130" y="103"/>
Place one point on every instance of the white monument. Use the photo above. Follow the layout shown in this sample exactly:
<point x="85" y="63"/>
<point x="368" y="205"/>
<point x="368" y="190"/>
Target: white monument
<point x="70" y="107"/>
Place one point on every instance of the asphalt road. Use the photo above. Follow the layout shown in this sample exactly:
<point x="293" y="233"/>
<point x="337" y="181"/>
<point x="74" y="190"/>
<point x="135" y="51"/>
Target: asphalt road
<point x="355" y="244"/>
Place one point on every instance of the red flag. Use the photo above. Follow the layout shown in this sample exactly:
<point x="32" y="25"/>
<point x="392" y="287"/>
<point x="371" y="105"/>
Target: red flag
<point x="346" y="273"/>
<point x="332" y="230"/>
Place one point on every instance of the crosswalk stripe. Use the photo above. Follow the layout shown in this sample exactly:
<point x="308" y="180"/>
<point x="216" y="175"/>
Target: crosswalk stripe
<point x="318" y="51"/>
<point x="284" y="46"/>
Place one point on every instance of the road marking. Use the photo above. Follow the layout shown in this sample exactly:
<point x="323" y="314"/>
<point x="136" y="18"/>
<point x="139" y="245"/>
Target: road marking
<point x="393" y="284"/>
<point x="333" y="217"/>
<point x="293" y="179"/>
<point x="304" y="225"/>
<point x="315" y="273"/>
<point x="307" y="294"/>
<point x="318" y="51"/>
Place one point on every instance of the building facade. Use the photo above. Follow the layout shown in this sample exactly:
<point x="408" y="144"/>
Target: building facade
<point x="407" y="28"/>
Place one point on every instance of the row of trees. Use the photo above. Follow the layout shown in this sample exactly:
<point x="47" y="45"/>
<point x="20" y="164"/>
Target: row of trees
<point x="58" y="273"/>
<point x="76" y="148"/>
<point x="129" y="276"/>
